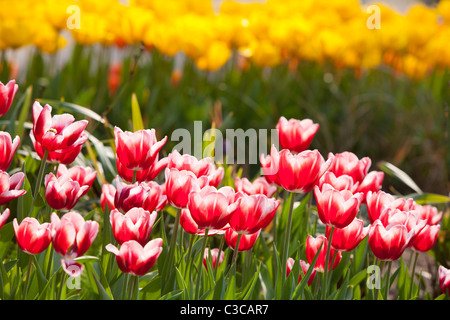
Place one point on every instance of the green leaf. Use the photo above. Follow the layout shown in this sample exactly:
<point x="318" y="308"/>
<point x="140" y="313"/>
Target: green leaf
<point x="393" y="171"/>
<point x="73" y="108"/>
<point x="136" y="116"/>
<point x="357" y="278"/>
<point x="429" y="198"/>
<point x="6" y="235"/>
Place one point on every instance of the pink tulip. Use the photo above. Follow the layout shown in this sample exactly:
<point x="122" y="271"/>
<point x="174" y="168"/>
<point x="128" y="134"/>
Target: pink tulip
<point x="211" y="207"/>
<point x="189" y="163"/>
<point x="4" y="217"/>
<point x="7" y="93"/>
<point x="85" y="176"/>
<point x="107" y="196"/>
<point x="10" y="186"/>
<point x="215" y="175"/>
<point x="253" y="212"/>
<point x="259" y="186"/>
<point x="348" y="238"/>
<point x="429" y="213"/>
<point x="215" y="262"/>
<point x="337" y="208"/>
<point x="426" y="238"/>
<point x="142" y="175"/>
<point x="137" y="150"/>
<point x="389" y="243"/>
<point x="135" y="259"/>
<point x="136" y="225"/>
<point x="312" y="247"/>
<point x="59" y="132"/>
<point x="371" y="182"/>
<point x="190" y="226"/>
<point x="348" y="163"/>
<point x="304" y="265"/>
<point x="246" y="242"/>
<point x="343" y="182"/>
<point x="179" y="184"/>
<point x="299" y="172"/>
<point x="270" y="166"/>
<point x="444" y="279"/>
<point x="146" y="195"/>
<point x="7" y="149"/>
<point x="32" y="237"/>
<point x="63" y="192"/>
<point x="296" y="135"/>
<point x="64" y="156"/>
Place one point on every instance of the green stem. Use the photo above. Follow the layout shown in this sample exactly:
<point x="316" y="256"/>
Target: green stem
<point x="222" y="241"/>
<point x="200" y="262"/>
<point x="27" y="286"/>
<point x="413" y="273"/>
<point x="133" y="180"/>
<point x="235" y="253"/>
<point x="63" y="283"/>
<point x="388" y="279"/>
<point x="327" y="258"/>
<point x="40" y="177"/>
<point x="287" y="236"/>
<point x="191" y="242"/>
<point x="174" y="239"/>
<point x="125" y="286"/>
<point x="133" y="290"/>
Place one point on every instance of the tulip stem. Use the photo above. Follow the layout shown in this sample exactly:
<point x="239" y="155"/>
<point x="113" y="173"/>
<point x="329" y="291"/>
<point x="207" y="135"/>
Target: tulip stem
<point x="174" y="239"/>
<point x="235" y="253"/>
<point x="325" y="271"/>
<point x="287" y="236"/>
<point x="191" y="242"/>
<point x="413" y="274"/>
<point x="388" y="279"/>
<point x="27" y="286"/>
<point x="202" y="253"/>
<point x="222" y="240"/>
<point x="39" y="180"/>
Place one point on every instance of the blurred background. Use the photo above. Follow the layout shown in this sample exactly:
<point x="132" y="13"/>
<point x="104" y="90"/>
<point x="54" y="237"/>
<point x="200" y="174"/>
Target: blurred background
<point x="377" y="90"/>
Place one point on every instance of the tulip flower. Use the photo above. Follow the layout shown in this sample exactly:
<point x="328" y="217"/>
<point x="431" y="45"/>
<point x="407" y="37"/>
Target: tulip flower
<point x="270" y="166"/>
<point x="299" y="173"/>
<point x="253" y="212"/>
<point x="136" y="225"/>
<point x="65" y="156"/>
<point x="10" y="186"/>
<point x="337" y="208"/>
<point x="59" y="132"/>
<point x="259" y="186"/>
<point x="212" y="208"/>
<point x="348" y="163"/>
<point x="146" y="195"/>
<point x="7" y="149"/>
<point x="215" y="262"/>
<point x="7" y="93"/>
<point x="3" y="217"/>
<point x="137" y="150"/>
<point x="426" y="238"/>
<point x="343" y="182"/>
<point x="215" y="175"/>
<point x="189" y="163"/>
<point x="84" y="176"/>
<point x="134" y="259"/>
<point x="190" y="226"/>
<point x="142" y="175"/>
<point x="246" y="242"/>
<point x="62" y="192"/>
<point x="32" y="237"/>
<point x="376" y="202"/>
<point x="312" y="247"/>
<point x="348" y="238"/>
<point x="371" y="182"/>
<point x="428" y="213"/>
<point x="304" y="265"/>
<point x="444" y="279"/>
<point x="72" y="237"/>
<point x="389" y="243"/>
<point x="296" y="135"/>
<point x="179" y="184"/>
<point x="107" y="196"/>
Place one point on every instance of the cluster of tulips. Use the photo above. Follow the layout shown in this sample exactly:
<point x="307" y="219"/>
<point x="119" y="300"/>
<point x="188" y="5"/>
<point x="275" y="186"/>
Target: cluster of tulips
<point x="340" y="185"/>
<point x="267" y="34"/>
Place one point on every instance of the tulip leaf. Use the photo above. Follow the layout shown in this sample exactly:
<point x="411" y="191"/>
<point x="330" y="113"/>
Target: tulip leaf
<point x="6" y="236"/>
<point x="357" y="278"/>
<point x="429" y="198"/>
<point x="73" y="108"/>
<point x="392" y="170"/>
<point x="136" y="116"/>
